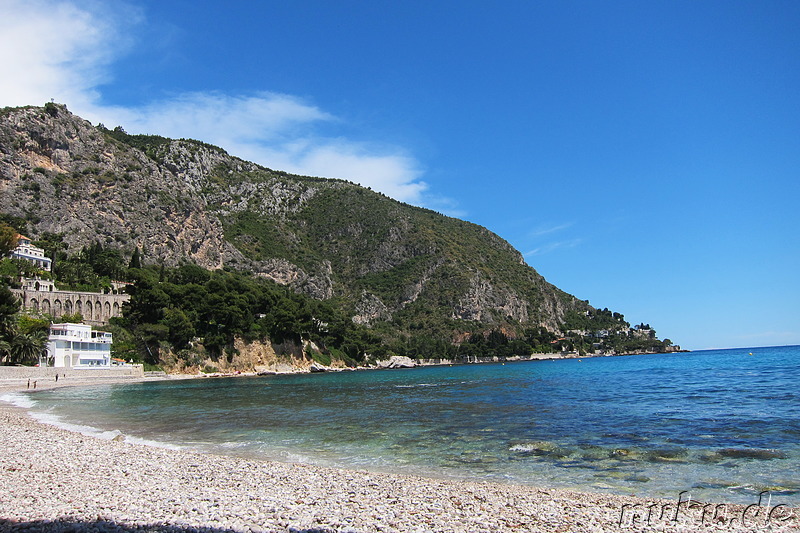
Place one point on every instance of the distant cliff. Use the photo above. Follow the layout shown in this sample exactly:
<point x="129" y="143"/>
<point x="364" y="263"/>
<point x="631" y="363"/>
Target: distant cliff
<point x="393" y="267"/>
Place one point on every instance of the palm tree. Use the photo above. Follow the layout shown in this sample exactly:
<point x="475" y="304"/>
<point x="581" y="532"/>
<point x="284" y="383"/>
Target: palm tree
<point x="5" y="350"/>
<point x="26" y="347"/>
<point x="8" y="326"/>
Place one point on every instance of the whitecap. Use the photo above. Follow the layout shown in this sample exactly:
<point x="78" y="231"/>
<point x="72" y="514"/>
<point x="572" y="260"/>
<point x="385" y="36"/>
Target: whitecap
<point x="153" y="443"/>
<point x="18" y="400"/>
<point x="233" y="444"/>
<point x="91" y="431"/>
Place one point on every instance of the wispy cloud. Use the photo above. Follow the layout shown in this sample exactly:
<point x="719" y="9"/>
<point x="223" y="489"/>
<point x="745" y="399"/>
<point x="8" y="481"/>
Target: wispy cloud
<point x="546" y="230"/>
<point x="552" y="247"/>
<point x="60" y="50"/>
<point x="266" y="117"/>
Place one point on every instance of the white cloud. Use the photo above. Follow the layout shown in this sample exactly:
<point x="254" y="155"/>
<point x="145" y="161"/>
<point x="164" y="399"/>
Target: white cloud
<point x="553" y="246"/>
<point x="56" y="49"/>
<point x="394" y="174"/>
<point x="233" y="119"/>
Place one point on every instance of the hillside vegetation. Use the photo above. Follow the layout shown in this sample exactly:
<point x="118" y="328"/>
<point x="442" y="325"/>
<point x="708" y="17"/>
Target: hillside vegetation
<point x="384" y="277"/>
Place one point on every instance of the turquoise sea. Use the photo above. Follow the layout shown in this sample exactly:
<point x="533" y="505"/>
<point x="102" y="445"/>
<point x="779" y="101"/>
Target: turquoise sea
<point x="723" y="424"/>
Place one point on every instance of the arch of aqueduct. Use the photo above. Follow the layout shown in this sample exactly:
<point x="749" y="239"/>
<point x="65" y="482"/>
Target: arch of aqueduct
<point x="96" y="308"/>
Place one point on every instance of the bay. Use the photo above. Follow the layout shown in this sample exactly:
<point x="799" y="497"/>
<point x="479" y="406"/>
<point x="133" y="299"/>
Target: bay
<point x="721" y="424"/>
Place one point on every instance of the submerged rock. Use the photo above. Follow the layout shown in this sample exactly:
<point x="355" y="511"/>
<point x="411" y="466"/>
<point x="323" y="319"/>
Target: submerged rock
<point x="752" y="453"/>
<point x="667" y="455"/>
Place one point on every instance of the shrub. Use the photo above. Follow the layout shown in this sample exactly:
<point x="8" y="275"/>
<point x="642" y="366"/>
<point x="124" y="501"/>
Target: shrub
<point x="320" y="358"/>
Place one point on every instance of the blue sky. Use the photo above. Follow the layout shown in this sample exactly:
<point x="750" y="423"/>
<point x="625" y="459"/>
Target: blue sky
<point x="642" y="155"/>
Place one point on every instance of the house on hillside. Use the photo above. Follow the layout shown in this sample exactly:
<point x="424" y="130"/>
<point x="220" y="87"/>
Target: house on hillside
<point x="37" y="284"/>
<point x="79" y="346"/>
<point x="27" y="251"/>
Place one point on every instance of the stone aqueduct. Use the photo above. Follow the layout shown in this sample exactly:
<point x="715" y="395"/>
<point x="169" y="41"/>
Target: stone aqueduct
<point x="96" y="308"/>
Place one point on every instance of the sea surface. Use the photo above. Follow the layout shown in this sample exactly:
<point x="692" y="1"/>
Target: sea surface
<point x="721" y="424"/>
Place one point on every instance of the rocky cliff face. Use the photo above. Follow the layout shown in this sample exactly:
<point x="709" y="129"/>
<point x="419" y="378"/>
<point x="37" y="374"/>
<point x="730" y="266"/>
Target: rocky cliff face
<point x="180" y="200"/>
<point x="65" y="176"/>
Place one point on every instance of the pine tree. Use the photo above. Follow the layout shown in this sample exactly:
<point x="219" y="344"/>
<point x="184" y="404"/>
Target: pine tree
<point x="136" y="261"/>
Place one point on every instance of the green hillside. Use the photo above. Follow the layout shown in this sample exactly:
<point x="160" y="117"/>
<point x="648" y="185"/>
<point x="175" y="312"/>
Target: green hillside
<point x="396" y="278"/>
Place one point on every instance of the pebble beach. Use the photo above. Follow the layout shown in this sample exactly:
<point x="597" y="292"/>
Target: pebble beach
<point x="58" y="480"/>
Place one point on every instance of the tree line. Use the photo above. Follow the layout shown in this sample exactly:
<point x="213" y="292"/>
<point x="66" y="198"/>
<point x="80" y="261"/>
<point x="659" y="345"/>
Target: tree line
<point x="186" y="309"/>
<point x="22" y="338"/>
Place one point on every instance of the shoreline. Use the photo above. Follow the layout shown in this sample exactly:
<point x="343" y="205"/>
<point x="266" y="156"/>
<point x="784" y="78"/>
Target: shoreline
<point x="56" y="479"/>
<point x="44" y="376"/>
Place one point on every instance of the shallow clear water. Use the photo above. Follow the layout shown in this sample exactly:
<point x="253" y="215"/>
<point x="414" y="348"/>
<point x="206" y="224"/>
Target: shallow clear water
<point x="721" y="424"/>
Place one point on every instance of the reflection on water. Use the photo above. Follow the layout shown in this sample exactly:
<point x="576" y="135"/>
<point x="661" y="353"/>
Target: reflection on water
<point x="722" y="424"/>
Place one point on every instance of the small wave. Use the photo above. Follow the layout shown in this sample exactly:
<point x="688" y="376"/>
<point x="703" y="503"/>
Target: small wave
<point x="299" y="458"/>
<point x="753" y="490"/>
<point x="418" y="385"/>
<point x="523" y="448"/>
<point x="18" y="400"/>
<point x="714" y="484"/>
<point x="540" y="448"/>
<point x="233" y="444"/>
<point x="153" y="443"/>
<point x="91" y="431"/>
<point x="442" y="384"/>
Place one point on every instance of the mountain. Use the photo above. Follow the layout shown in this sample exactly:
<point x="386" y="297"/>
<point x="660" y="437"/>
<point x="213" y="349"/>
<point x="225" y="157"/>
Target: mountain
<point x="394" y="267"/>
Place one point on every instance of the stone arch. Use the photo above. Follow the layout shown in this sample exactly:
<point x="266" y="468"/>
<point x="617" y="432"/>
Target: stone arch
<point x="88" y="314"/>
<point x="35" y="305"/>
<point x="98" y="311"/>
<point x="68" y="307"/>
<point x="46" y="306"/>
<point x="107" y="310"/>
<point x="78" y="307"/>
<point x="57" y="309"/>
<point x="115" y="309"/>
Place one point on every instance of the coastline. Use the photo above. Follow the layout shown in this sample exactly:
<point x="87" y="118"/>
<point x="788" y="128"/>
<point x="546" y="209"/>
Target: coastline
<point x="57" y="480"/>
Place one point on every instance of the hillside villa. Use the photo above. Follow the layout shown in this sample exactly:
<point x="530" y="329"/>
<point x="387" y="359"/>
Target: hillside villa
<point x="69" y="345"/>
<point x="39" y="295"/>
<point x="27" y="251"/>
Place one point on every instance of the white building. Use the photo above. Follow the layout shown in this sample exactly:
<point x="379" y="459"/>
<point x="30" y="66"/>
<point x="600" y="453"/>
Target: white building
<point x="78" y="346"/>
<point x="29" y="252"/>
<point x="37" y="284"/>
